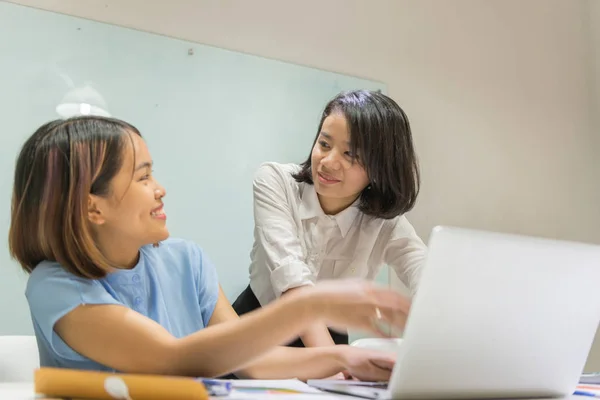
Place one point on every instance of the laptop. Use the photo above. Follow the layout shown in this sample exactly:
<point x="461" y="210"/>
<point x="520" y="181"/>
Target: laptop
<point x="495" y="316"/>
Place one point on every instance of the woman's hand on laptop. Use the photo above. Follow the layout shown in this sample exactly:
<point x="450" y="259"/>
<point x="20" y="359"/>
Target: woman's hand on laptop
<point x="359" y="305"/>
<point x="339" y="376"/>
<point x="368" y="365"/>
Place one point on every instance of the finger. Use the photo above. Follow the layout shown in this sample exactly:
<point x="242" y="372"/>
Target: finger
<point x="379" y="374"/>
<point x="384" y="363"/>
<point x="390" y="299"/>
<point x="369" y="322"/>
<point x="394" y="319"/>
<point x="386" y="323"/>
<point x="363" y="318"/>
<point x="377" y="328"/>
<point x="338" y="376"/>
<point x="374" y="321"/>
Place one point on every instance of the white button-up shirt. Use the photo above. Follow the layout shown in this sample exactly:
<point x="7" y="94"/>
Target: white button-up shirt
<point x="296" y="243"/>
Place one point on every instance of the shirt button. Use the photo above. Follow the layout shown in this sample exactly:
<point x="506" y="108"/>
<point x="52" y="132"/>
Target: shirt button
<point x="137" y="301"/>
<point x="353" y="270"/>
<point x="136" y="278"/>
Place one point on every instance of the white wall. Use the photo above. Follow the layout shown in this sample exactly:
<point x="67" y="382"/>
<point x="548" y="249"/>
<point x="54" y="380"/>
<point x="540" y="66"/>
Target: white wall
<point x="593" y="25"/>
<point x="498" y="92"/>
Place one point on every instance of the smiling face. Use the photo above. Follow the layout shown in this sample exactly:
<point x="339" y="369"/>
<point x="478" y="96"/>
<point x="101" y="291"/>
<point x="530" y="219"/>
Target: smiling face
<point x="84" y="196"/>
<point x="338" y="175"/>
<point x="132" y="213"/>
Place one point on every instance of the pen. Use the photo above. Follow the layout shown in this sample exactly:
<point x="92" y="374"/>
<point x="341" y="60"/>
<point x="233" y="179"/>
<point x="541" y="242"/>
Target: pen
<point x="584" y="393"/>
<point x="217" y="387"/>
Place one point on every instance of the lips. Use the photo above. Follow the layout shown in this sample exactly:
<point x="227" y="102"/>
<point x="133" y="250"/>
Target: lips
<point x="325" y="178"/>
<point x="158" y="212"/>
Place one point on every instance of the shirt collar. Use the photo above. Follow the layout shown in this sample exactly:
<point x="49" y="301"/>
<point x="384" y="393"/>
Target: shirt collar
<point x="309" y="203"/>
<point x="311" y="208"/>
<point x="346" y="218"/>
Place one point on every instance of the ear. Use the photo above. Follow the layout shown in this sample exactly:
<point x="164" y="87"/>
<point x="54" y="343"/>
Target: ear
<point x="95" y="216"/>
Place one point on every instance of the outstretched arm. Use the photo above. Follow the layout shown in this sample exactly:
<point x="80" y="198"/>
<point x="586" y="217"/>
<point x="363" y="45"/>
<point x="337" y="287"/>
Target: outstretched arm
<point x="306" y="363"/>
<point x="127" y="341"/>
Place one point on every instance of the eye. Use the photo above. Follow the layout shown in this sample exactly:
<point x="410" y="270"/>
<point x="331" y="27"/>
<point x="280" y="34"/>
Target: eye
<point x="323" y="144"/>
<point x="351" y="155"/>
<point x="146" y="176"/>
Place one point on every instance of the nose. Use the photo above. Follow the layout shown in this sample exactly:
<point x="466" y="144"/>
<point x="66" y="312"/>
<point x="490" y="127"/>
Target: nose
<point x="160" y="192"/>
<point x="332" y="161"/>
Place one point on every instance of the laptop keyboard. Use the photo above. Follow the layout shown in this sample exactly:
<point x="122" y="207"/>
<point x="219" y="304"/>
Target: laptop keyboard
<point x="375" y="385"/>
<point x="380" y="385"/>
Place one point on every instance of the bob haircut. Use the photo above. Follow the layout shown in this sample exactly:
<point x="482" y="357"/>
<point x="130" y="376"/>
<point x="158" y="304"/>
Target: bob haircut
<point x="59" y="166"/>
<point x="380" y="136"/>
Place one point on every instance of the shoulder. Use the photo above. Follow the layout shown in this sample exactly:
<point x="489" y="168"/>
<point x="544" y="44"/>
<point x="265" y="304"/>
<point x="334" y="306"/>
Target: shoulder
<point x="48" y="275"/>
<point x="388" y="229"/>
<point x="52" y="292"/>
<point x="47" y="269"/>
<point x="401" y="227"/>
<point x="271" y="172"/>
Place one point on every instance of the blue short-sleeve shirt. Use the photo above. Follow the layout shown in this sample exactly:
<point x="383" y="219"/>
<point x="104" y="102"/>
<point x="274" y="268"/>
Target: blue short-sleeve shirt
<point x="174" y="284"/>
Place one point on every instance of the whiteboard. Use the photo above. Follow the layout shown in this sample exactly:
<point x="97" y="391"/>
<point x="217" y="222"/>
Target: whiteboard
<point x="210" y="117"/>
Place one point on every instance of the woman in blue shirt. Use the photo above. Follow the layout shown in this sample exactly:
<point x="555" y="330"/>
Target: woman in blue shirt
<point x="109" y="290"/>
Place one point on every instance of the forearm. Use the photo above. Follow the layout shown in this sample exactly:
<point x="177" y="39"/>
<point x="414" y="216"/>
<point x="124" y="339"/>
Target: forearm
<point x="317" y="336"/>
<point x="233" y="345"/>
<point x="290" y="362"/>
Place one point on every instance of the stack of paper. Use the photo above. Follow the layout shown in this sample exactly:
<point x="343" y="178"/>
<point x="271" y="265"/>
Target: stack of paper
<point x="589" y="385"/>
<point x="593" y="378"/>
<point x="283" y="389"/>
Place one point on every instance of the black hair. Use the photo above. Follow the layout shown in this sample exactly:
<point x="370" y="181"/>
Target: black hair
<point x="59" y="166"/>
<point x="380" y="135"/>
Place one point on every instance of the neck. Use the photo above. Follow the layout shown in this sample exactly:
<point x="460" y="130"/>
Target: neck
<point x="121" y="253"/>
<point x="333" y="206"/>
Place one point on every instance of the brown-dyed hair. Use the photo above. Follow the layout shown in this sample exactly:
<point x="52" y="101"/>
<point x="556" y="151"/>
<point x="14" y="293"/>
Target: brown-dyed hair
<point x="59" y="166"/>
<point x="381" y="137"/>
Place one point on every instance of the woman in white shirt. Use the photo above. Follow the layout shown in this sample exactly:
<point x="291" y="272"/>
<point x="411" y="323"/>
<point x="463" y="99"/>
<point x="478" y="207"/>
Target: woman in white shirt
<point x="340" y="214"/>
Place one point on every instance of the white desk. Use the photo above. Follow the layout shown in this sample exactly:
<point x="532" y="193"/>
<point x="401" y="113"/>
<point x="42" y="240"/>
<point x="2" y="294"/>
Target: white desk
<point x="24" y="391"/>
<point x="16" y="391"/>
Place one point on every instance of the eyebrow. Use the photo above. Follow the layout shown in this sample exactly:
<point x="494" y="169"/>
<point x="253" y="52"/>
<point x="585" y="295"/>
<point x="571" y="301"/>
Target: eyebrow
<point x="328" y="136"/>
<point x="146" y="164"/>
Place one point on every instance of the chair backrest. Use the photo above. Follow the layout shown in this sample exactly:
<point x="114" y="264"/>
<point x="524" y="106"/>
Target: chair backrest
<point x="19" y="357"/>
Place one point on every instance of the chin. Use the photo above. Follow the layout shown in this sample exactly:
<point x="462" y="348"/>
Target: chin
<point x="323" y="190"/>
<point x="159" y="237"/>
